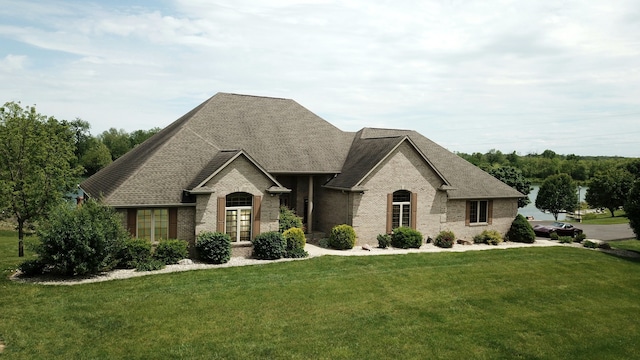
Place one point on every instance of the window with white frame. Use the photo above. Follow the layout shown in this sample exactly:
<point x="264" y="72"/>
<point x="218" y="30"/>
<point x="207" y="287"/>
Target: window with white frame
<point x="401" y="214"/>
<point x="478" y="211"/>
<point x="238" y="216"/>
<point x="152" y="224"/>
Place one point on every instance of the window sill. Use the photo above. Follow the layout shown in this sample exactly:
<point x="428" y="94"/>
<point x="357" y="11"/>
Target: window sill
<point x="239" y="244"/>
<point x="479" y="224"/>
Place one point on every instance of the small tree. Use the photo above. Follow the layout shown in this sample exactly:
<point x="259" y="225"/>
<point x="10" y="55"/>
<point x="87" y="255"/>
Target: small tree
<point x="514" y="178"/>
<point x="36" y="156"/>
<point x="609" y="189"/>
<point x="558" y="193"/>
<point x="632" y="208"/>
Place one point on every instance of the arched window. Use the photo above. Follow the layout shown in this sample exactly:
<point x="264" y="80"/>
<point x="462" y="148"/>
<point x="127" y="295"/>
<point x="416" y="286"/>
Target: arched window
<point x="238" y="216"/>
<point x="401" y="215"/>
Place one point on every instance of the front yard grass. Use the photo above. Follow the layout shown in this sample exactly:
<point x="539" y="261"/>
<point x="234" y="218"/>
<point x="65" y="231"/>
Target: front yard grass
<point x="533" y="303"/>
<point x="605" y="218"/>
<point x="631" y="244"/>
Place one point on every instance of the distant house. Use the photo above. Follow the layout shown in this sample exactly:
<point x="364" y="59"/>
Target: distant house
<point x="230" y="163"/>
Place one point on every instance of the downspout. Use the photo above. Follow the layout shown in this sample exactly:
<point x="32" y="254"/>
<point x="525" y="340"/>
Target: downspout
<point x="310" y="207"/>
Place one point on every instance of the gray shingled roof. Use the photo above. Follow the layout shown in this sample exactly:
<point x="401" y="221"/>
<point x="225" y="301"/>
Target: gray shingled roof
<point x="279" y="135"/>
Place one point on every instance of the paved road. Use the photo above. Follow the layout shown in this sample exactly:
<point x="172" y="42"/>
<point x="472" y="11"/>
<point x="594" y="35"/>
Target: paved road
<point x="601" y="232"/>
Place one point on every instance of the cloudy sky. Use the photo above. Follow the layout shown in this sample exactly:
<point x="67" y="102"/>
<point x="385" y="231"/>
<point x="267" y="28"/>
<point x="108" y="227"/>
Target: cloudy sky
<point x="520" y="75"/>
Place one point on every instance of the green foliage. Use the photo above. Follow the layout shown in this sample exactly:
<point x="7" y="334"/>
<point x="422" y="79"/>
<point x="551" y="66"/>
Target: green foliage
<point x="554" y="236"/>
<point x="117" y="141"/>
<point x="288" y="219"/>
<point x="269" y="246"/>
<point x="521" y="231"/>
<point x="95" y="157"/>
<point x="342" y="237"/>
<point x="133" y="252"/>
<point x="604" y="246"/>
<point x="32" y="267"/>
<point x="213" y="247"/>
<point x="295" y="243"/>
<point x="565" y="239"/>
<point x="632" y="208"/>
<point x="609" y="189"/>
<point x="81" y="240"/>
<point x="406" y="237"/>
<point x="384" y="241"/>
<point x="171" y="251"/>
<point x="514" y="178"/>
<point x="579" y="237"/>
<point x="557" y="193"/>
<point x="37" y="164"/>
<point x="589" y="244"/>
<point x="445" y="239"/>
<point x="150" y="265"/>
<point x="491" y="237"/>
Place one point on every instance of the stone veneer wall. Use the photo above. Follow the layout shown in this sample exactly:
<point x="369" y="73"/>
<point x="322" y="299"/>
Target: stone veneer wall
<point x="239" y="176"/>
<point x="504" y="211"/>
<point x="404" y="169"/>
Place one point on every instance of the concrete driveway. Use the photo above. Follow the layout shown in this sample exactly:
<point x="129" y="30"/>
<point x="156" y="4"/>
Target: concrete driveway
<point x="600" y="232"/>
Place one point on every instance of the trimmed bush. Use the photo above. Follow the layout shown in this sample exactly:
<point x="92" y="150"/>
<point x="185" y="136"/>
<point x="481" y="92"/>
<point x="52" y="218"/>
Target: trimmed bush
<point x="134" y="251"/>
<point x="150" y="265"/>
<point x="589" y="244"/>
<point x="384" y="240"/>
<point x="295" y="243"/>
<point x="554" y="236"/>
<point x="565" y="239"/>
<point x="171" y="251"/>
<point x="580" y="237"/>
<point x="490" y="237"/>
<point x="32" y="267"/>
<point x="445" y="239"/>
<point x="521" y="231"/>
<point x="406" y="237"/>
<point x="213" y="247"/>
<point x="288" y="219"/>
<point x="269" y="246"/>
<point x="604" y="246"/>
<point x="81" y="240"/>
<point x="342" y="237"/>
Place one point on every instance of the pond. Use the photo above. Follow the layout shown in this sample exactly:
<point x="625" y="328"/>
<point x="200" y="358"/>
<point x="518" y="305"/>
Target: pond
<point x="531" y="210"/>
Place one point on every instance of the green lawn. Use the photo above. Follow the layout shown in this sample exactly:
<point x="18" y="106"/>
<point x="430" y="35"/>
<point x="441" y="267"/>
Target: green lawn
<point x="535" y="303"/>
<point x="605" y="218"/>
<point x="626" y="244"/>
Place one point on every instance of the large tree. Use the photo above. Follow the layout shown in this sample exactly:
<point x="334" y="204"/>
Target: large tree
<point x="632" y="208"/>
<point x="557" y="193"/>
<point x="609" y="189"/>
<point x="36" y="171"/>
<point x="514" y="178"/>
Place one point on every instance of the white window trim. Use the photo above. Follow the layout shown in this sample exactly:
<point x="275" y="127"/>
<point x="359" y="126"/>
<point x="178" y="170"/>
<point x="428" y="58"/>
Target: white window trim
<point x="477" y="221"/>
<point x="403" y="204"/>
<point x="238" y="208"/>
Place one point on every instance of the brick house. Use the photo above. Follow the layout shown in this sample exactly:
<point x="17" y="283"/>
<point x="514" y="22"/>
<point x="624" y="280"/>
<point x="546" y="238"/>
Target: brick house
<point x="230" y="163"/>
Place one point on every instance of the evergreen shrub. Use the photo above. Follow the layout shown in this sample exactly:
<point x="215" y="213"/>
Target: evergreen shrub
<point x="295" y="243"/>
<point x="406" y="237"/>
<point x="342" y="237"/>
<point x="565" y="239"/>
<point x="213" y="247"/>
<point x="134" y="251"/>
<point x="150" y="265"/>
<point x="269" y="246"/>
<point x="288" y="219"/>
<point x="554" y="236"/>
<point x="171" y="251"/>
<point x="445" y="239"/>
<point x="521" y="231"/>
<point x="580" y="237"/>
<point x="384" y="241"/>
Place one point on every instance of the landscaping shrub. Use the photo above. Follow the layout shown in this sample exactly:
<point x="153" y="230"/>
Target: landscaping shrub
<point x="213" y="247"/>
<point x="406" y="237"/>
<point x="445" y="239"/>
<point x="491" y="237"/>
<point x="171" y="251"/>
<point x="589" y="244"/>
<point x="32" y="267"/>
<point x="565" y="239"/>
<point x="604" y="246"/>
<point x="295" y="243"/>
<point x="269" y="246"/>
<point x="554" y="236"/>
<point x="288" y="219"/>
<point x="384" y="240"/>
<point x="81" y="240"/>
<point x="134" y="251"/>
<point x="342" y="237"/>
<point x="150" y="265"/>
<point x="521" y="231"/>
<point x="580" y="237"/>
